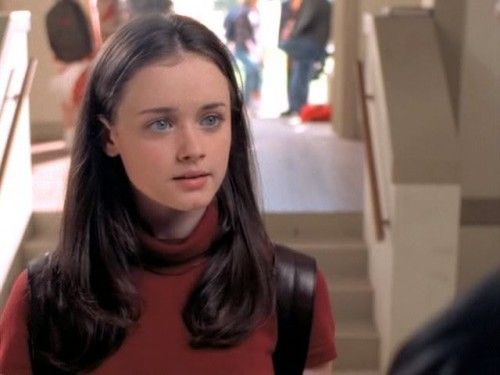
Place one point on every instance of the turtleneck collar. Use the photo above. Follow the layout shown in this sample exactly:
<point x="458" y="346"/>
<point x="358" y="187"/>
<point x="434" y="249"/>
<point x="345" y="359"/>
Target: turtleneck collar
<point x="158" y="254"/>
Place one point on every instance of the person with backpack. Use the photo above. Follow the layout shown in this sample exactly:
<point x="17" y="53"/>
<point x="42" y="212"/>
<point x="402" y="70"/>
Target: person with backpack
<point x="163" y="264"/>
<point x="242" y="25"/>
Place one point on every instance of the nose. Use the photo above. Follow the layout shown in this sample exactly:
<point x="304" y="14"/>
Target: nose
<point x="190" y="145"/>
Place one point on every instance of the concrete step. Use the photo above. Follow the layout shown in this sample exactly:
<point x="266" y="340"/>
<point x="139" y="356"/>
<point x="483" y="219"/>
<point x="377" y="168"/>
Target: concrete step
<point x="42" y="234"/>
<point x="351" y="300"/>
<point x="343" y="259"/>
<point x="313" y="226"/>
<point x="35" y="247"/>
<point x="357" y="347"/>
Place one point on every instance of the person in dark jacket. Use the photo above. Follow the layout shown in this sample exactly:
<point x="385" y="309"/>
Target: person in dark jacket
<point x="463" y="340"/>
<point x="304" y="37"/>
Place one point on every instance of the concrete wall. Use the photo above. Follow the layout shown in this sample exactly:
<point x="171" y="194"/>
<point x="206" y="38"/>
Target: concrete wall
<point x="413" y="270"/>
<point x="349" y="46"/>
<point x="479" y="113"/>
<point x="450" y="25"/>
<point x="469" y="34"/>
<point x="344" y="80"/>
<point x="478" y="123"/>
<point x="467" y="90"/>
<point x="374" y="6"/>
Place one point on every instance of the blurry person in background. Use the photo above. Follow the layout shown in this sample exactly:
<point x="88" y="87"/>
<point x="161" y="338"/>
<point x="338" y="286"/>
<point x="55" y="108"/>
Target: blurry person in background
<point x="304" y="34"/>
<point x="104" y="17"/>
<point x="114" y="13"/>
<point x="70" y="79"/>
<point x="242" y="34"/>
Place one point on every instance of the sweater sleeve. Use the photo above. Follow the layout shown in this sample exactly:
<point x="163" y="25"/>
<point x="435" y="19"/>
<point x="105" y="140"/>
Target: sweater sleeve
<point x="321" y="344"/>
<point x="14" y="351"/>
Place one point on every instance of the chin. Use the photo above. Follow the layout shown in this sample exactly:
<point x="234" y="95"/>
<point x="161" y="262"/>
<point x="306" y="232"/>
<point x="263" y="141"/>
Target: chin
<point x="192" y="204"/>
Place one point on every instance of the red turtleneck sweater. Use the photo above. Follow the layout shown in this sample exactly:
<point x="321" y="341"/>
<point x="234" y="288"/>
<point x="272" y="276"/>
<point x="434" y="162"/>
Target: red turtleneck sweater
<point x="159" y="344"/>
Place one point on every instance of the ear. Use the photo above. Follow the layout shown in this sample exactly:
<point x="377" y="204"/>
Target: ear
<point x="108" y="138"/>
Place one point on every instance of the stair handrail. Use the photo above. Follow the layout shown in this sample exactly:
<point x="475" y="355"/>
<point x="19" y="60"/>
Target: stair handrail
<point x="21" y="97"/>
<point x="380" y="222"/>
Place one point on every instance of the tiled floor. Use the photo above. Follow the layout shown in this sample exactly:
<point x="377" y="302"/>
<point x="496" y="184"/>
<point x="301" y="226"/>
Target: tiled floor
<point x="302" y="168"/>
<point x="307" y="167"/>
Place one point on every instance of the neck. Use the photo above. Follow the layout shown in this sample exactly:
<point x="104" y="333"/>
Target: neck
<point x="168" y="223"/>
<point x="175" y="224"/>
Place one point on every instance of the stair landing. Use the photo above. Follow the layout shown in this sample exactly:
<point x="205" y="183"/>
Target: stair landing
<point x="307" y="167"/>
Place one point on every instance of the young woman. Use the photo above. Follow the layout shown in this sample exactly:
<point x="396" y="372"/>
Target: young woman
<point x="163" y="264"/>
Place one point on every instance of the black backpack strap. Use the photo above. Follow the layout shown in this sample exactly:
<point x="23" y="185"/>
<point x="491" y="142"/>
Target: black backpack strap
<point x="296" y="284"/>
<point x="35" y="266"/>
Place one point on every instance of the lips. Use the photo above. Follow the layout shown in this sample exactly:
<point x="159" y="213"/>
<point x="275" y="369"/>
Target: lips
<point x="191" y="175"/>
<point x="193" y="180"/>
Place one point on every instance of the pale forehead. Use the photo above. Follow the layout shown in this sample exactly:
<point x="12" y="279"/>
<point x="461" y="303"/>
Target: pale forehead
<point x="186" y="77"/>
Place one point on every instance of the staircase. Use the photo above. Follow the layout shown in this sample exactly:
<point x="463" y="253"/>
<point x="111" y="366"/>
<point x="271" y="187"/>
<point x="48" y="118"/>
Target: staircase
<point x="335" y="240"/>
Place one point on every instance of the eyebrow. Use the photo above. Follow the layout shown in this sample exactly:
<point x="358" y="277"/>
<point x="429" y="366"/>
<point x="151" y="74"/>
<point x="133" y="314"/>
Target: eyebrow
<point x="172" y="109"/>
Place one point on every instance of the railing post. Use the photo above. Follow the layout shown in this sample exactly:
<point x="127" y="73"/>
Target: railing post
<point x="23" y="94"/>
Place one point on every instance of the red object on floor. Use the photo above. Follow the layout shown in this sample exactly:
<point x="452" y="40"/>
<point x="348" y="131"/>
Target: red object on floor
<point x="316" y="112"/>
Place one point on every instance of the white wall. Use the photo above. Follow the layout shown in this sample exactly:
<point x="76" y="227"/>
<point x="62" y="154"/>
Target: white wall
<point x="16" y="187"/>
<point x="45" y="109"/>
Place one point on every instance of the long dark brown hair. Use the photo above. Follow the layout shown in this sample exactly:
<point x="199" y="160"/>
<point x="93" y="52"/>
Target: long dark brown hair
<point x="86" y="297"/>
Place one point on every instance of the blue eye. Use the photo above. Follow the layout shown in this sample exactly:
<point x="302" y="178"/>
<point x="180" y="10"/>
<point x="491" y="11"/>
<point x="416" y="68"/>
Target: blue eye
<point x="211" y="121"/>
<point x="160" y="125"/>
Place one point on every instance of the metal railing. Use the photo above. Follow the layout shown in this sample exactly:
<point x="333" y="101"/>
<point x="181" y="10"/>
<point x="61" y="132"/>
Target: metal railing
<point x="380" y="222"/>
<point x="21" y="97"/>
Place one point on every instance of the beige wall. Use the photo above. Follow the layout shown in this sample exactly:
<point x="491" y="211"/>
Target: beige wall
<point x="349" y="45"/>
<point x="450" y="24"/>
<point x="470" y="43"/>
<point x="413" y="270"/>
<point x="479" y="254"/>
<point x="479" y="113"/>
<point x="374" y="6"/>
<point x="479" y="128"/>
<point x="344" y="80"/>
<point x="401" y="271"/>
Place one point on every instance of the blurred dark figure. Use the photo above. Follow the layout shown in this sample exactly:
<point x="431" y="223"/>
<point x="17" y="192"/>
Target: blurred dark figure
<point x="241" y="24"/>
<point x="465" y="339"/>
<point x="114" y="13"/>
<point x="304" y="33"/>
